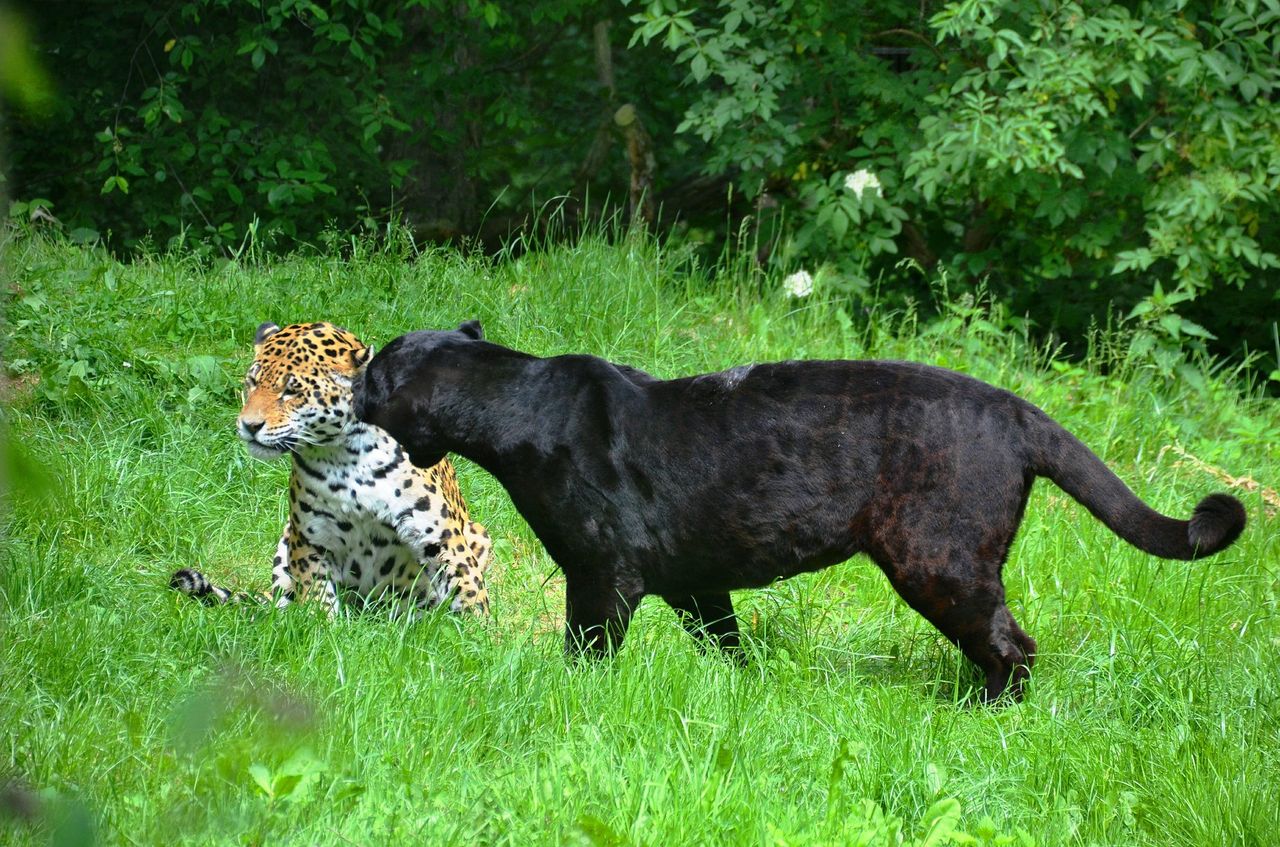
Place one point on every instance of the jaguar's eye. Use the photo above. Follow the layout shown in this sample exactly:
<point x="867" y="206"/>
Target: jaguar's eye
<point x="292" y="386"/>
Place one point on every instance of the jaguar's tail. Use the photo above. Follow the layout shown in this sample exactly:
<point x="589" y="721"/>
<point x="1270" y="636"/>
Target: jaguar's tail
<point x="195" y="584"/>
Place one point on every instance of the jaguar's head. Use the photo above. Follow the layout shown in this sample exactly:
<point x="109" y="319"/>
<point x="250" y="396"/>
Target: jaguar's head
<point x="298" y="389"/>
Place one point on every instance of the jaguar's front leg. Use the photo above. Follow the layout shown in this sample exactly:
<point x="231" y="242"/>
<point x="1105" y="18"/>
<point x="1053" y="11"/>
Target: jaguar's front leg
<point x="309" y="570"/>
<point x="282" y="582"/>
<point x="421" y="529"/>
<point x="460" y="582"/>
<point x="479" y="543"/>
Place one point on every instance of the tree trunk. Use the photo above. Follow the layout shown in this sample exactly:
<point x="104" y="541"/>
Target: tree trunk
<point x="640" y="157"/>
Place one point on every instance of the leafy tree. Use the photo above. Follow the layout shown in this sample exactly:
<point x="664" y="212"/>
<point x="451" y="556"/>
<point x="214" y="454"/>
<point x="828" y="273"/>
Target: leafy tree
<point x="1070" y="153"/>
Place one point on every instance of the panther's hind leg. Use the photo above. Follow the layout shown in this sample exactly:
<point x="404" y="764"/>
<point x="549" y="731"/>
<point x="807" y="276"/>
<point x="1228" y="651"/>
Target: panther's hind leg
<point x="941" y="531"/>
<point x="598" y="609"/>
<point x="966" y="603"/>
<point x="710" y="620"/>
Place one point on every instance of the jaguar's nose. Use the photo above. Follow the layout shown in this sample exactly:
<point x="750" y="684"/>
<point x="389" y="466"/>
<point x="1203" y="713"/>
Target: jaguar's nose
<point x="251" y="428"/>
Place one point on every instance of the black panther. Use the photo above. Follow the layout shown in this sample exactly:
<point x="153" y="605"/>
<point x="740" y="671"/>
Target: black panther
<point x="689" y="488"/>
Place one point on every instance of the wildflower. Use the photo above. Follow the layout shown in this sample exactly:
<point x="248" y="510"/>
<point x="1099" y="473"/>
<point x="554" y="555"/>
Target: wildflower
<point x="798" y="284"/>
<point x="860" y="180"/>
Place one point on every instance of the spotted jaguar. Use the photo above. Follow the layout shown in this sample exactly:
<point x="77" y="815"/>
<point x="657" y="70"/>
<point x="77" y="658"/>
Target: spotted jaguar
<point x="365" y="524"/>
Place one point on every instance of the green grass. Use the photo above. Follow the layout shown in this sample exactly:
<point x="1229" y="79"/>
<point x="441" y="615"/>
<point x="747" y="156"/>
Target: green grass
<point x="131" y="713"/>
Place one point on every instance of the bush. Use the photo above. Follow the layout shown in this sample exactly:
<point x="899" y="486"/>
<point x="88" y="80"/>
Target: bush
<point x="1070" y="154"/>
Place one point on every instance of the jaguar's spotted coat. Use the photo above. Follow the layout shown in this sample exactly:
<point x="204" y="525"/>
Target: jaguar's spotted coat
<point x="365" y="523"/>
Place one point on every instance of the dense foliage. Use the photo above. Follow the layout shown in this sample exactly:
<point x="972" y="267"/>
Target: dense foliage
<point x="220" y="117"/>
<point x="1071" y="155"/>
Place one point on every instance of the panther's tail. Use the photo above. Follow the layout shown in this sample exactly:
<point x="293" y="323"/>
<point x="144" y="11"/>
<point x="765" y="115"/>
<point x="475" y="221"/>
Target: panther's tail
<point x="195" y="584"/>
<point x="1216" y="521"/>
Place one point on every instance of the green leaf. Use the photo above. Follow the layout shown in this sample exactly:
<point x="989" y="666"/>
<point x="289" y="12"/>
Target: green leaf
<point x="262" y="777"/>
<point x="72" y="826"/>
<point x="284" y="785"/>
<point x="346" y="790"/>
<point x="698" y="67"/>
<point x="204" y="370"/>
<point x="1217" y="63"/>
<point x="940" y="822"/>
<point x="596" y="832"/>
<point x="1191" y="375"/>
<point x="1141" y="345"/>
<point x="936" y="775"/>
<point x="839" y="223"/>
<point x="1193" y="328"/>
<point x="1143" y="307"/>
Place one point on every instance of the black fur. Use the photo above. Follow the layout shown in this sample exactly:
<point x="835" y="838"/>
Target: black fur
<point x="689" y="488"/>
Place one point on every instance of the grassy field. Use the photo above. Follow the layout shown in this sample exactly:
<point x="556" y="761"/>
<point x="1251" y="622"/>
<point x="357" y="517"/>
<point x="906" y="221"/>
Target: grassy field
<point x="134" y="716"/>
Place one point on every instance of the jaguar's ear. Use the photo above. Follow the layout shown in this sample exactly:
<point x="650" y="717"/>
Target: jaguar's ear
<point x="265" y="331"/>
<point x="472" y="329"/>
<point x="360" y="357"/>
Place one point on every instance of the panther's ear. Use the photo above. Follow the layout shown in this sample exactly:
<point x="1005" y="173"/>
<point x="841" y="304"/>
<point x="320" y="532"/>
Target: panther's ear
<point x="265" y="331"/>
<point x="472" y="329"/>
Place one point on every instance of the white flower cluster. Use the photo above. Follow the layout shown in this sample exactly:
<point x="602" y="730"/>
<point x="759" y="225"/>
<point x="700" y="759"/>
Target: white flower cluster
<point x="798" y="284"/>
<point x="860" y="180"/>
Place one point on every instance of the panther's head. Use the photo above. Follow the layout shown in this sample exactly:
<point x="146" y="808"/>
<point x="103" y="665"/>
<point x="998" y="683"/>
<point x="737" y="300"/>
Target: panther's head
<point x="298" y="389"/>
